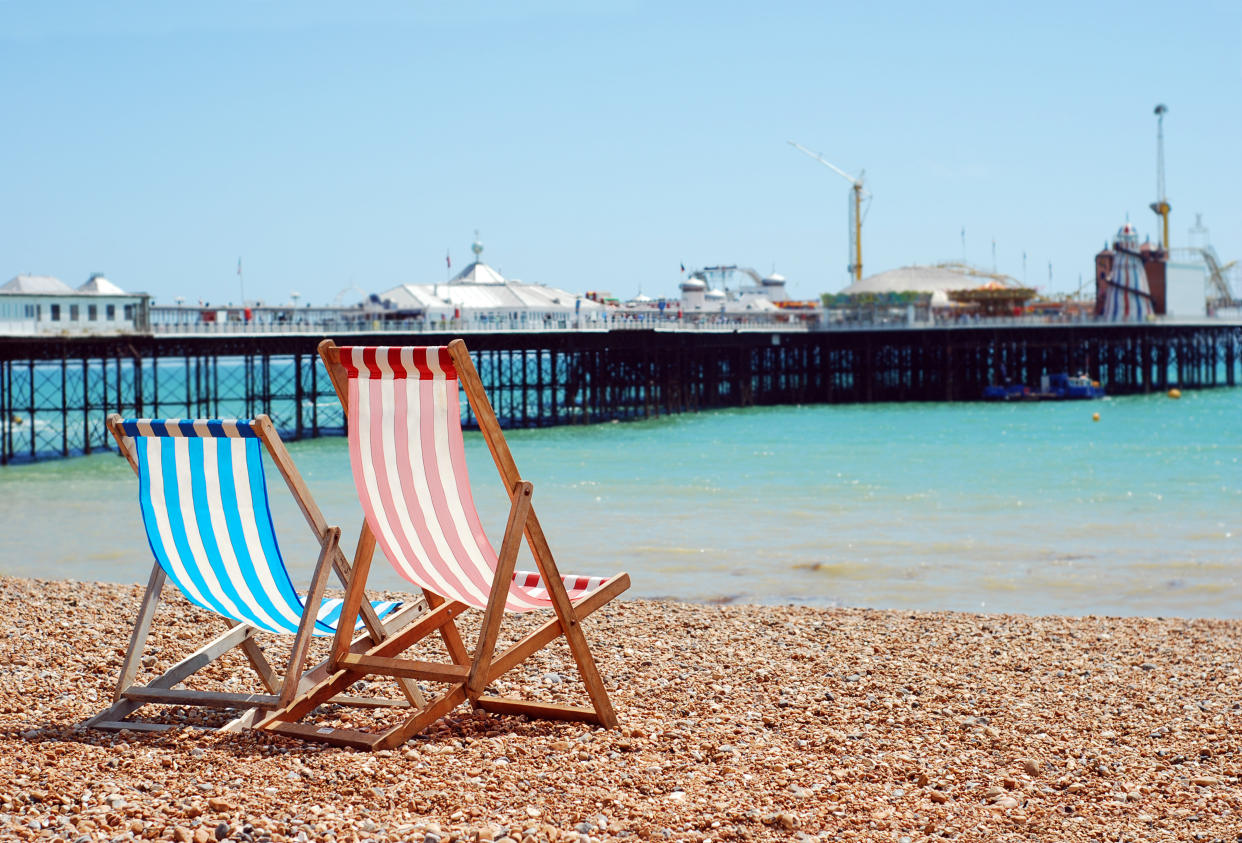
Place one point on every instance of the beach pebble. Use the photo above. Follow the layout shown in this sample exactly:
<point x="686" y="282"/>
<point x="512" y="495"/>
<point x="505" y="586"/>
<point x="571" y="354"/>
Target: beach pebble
<point x="901" y="751"/>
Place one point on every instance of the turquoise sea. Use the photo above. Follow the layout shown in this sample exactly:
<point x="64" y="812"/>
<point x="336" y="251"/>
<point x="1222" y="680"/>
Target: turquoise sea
<point x="1032" y="508"/>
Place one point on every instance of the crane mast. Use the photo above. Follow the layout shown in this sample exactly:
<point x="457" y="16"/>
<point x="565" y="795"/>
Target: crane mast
<point x="856" y="187"/>
<point x="1161" y="205"/>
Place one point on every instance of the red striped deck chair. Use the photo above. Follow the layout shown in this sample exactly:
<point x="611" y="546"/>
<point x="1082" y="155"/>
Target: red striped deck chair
<point x="204" y="501"/>
<point x="409" y="465"/>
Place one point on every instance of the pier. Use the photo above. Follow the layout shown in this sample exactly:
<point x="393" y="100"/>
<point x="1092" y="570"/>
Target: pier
<point x="56" y="393"/>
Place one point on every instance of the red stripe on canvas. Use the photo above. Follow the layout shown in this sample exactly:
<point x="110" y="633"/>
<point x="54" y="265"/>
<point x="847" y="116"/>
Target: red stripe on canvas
<point x="346" y="356"/>
<point x="368" y="362"/>
<point x="420" y="363"/>
<point x="393" y="356"/>
<point x="411" y="476"/>
<point x="446" y="363"/>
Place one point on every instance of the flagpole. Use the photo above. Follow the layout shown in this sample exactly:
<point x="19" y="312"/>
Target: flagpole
<point x="241" y="282"/>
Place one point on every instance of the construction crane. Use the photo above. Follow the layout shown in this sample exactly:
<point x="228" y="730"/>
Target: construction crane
<point x="859" y="193"/>
<point x="1161" y="205"/>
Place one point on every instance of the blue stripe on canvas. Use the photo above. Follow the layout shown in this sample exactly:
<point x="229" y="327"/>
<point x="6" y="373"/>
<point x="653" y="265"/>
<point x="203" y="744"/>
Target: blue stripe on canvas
<point x="262" y="514"/>
<point x="147" y="506"/>
<point x="205" y="478"/>
<point x="157" y="457"/>
<point x="235" y="519"/>
<point x="170" y="503"/>
<point x="186" y="428"/>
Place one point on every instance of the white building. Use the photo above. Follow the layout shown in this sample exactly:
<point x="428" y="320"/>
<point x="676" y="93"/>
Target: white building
<point x="481" y="295"/>
<point x="39" y="305"/>
<point x="1185" y="289"/>
<point x="710" y="291"/>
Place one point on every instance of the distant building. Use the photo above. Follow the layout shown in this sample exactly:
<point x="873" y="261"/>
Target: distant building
<point x="1154" y="260"/>
<point x="716" y="290"/>
<point x="480" y="294"/>
<point x="948" y="289"/>
<point x="42" y="305"/>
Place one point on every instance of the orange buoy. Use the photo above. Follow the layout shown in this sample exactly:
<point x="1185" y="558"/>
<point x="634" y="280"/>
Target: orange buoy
<point x="1095" y="417"/>
<point x="1175" y="393"/>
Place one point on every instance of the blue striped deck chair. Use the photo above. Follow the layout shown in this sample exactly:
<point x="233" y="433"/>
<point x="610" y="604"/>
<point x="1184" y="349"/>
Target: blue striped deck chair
<point x="204" y="503"/>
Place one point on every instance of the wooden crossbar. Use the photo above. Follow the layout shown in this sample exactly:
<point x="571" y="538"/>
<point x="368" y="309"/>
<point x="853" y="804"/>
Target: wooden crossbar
<point x="534" y="708"/>
<point x="404" y="667"/>
<point x="209" y="699"/>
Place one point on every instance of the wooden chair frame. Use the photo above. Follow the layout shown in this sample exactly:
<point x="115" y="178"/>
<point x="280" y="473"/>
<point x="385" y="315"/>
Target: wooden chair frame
<point x="281" y="688"/>
<point x="468" y="674"/>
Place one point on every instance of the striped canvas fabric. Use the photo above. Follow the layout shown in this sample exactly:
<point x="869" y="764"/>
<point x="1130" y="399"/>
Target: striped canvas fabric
<point x="409" y="464"/>
<point x="204" y="504"/>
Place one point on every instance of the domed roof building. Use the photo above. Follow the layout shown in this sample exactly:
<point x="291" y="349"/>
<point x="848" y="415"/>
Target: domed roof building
<point x="941" y="278"/>
<point x="480" y="290"/>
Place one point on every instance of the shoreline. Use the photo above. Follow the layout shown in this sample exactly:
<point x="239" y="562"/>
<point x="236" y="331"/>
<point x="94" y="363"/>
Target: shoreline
<point x="738" y="722"/>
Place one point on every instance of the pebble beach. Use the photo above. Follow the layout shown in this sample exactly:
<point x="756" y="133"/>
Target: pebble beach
<point x="738" y="723"/>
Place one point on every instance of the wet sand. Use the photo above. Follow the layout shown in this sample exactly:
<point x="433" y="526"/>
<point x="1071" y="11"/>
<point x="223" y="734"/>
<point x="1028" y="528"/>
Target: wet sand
<point x="738" y="723"/>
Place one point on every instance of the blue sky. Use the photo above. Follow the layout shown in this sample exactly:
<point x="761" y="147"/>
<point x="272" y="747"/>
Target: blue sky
<point x="336" y="146"/>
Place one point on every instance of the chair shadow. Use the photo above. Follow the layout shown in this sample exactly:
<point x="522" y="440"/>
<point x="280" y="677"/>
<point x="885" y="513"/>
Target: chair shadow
<point x="252" y="743"/>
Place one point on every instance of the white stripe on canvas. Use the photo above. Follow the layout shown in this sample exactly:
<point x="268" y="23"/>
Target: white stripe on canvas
<point x="253" y="542"/>
<point x="163" y="526"/>
<point x="190" y="519"/>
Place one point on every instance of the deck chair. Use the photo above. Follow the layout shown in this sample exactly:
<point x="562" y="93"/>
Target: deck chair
<point x="409" y="465"/>
<point x="203" y="496"/>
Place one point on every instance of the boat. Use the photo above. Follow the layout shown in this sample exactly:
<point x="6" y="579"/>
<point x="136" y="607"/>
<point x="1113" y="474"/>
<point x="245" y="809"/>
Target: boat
<point x="1055" y="387"/>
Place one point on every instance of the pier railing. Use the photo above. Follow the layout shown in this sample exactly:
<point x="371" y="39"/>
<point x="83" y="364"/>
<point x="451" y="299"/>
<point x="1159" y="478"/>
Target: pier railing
<point x="171" y="322"/>
<point x="454" y="326"/>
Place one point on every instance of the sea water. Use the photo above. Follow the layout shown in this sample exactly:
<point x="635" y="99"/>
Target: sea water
<point x="1031" y="507"/>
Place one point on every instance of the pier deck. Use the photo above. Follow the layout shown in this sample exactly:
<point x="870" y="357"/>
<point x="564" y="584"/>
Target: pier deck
<point x="56" y="393"/>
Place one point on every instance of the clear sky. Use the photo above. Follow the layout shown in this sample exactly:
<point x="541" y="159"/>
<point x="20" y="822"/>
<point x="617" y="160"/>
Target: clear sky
<point x="598" y="146"/>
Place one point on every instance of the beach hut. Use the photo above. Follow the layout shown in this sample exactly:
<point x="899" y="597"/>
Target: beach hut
<point x="1127" y="296"/>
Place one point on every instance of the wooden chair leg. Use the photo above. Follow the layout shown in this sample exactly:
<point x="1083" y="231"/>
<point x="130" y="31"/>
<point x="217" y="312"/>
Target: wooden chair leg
<point x="142" y="628"/>
<point x="182" y="670"/>
<point x="354" y="578"/>
<point x="258" y="661"/>
<point x="306" y="629"/>
<point x="519" y="509"/>
<point x="355" y="593"/>
<point x="449" y="633"/>
<point x="569" y="622"/>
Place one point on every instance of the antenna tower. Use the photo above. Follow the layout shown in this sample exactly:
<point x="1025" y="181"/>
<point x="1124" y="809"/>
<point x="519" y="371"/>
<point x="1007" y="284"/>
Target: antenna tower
<point x="1161" y="205"/>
